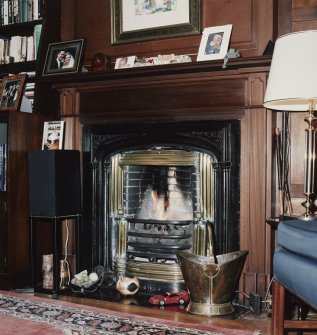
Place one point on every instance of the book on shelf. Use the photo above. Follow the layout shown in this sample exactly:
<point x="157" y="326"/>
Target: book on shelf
<point x="5" y="12"/>
<point x="15" y="49"/>
<point x="17" y="11"/>
<point x="20" y="48"/>
<point x="36" y="38"/>
<point x="26" y="105"/>
<point x="3" y="167"/>
<point x="53" y="135"/>
<point x="27" y="101"/>
<point x="30" y="54"/>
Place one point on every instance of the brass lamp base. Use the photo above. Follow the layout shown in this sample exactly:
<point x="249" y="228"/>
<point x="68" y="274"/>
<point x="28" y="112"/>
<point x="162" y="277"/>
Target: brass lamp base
<point x="310" y="153"/>
<point x="309" y="205"/>
<point x="210" y="309"/>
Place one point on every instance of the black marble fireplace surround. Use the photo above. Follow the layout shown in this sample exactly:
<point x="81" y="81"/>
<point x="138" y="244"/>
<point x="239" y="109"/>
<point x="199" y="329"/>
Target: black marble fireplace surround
<point x="218" y="139"/>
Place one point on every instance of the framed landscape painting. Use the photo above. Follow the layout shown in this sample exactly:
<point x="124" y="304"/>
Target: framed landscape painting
<point x="141" y="20"/>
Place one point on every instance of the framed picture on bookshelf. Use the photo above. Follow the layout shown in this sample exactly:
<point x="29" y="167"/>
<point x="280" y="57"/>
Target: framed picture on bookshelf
<point x="12" y="92"/>
<point x="53" y="135"/>
<point x="64" y="57"/>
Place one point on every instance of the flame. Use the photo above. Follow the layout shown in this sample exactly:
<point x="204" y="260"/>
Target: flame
<point x="166" y="203"/>
<point x="154" y="196"/>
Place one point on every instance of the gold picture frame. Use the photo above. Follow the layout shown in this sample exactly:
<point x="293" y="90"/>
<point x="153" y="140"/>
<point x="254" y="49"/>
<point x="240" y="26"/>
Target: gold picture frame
<point x="132" y="21"/>
<point x="12" y="92"/>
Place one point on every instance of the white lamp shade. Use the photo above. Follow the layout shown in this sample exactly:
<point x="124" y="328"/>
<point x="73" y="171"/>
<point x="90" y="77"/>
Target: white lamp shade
<point x="292" y="82"/>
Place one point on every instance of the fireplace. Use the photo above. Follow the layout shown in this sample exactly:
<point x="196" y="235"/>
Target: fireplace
<point x="152" y="190"/>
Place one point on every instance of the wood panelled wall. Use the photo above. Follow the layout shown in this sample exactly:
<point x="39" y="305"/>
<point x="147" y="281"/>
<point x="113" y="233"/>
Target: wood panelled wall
<point x="255" y="23"/>
<point x="92" y="20"/>
<point x="296" y="15"/>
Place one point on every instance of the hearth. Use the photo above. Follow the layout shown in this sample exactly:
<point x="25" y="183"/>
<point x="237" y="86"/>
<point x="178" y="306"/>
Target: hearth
<point x="152" y="190"/>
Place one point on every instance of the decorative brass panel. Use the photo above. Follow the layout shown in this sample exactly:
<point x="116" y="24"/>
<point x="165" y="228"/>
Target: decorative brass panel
<point x="115" y="187"/>
<point x="207" y="186"/>
<point x="156" y="271"/>
<point x="159" y="157"/>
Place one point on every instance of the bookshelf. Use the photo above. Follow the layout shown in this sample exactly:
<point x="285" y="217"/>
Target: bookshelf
<point x="36" y="29"/>
<point x="21" y="132"/>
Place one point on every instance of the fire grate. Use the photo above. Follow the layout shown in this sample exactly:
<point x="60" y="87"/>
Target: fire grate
<point x="167" y="236"/>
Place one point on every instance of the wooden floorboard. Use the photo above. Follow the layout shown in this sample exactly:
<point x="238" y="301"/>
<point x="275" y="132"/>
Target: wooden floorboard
<point x="247" y="322"/>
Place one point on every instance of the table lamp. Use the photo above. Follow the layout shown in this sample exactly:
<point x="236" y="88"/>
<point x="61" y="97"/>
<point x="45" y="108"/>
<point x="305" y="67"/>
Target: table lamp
<point x="292" y="86"/>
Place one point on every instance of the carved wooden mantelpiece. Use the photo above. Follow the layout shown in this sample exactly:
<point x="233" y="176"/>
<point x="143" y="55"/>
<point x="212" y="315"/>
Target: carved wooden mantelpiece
<point x="184" y="93"/>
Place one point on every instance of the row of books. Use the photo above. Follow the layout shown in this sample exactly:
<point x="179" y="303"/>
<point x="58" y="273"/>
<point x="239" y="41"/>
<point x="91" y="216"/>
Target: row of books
<point x="20" y="48"/>
<point x="3" y="167"/>
<point x="16" y="11"/>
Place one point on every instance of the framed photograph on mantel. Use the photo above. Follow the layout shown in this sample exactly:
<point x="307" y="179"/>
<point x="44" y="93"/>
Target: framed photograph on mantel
<point x="12" y="92"/>
<point x="142" y="20"/>
<point x="64" y="57"/>
<point x="214" y="43"/>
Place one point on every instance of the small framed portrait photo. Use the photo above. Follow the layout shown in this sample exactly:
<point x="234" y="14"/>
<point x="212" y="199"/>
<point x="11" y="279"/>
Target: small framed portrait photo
<point x="12" y="92"/>
<point x="125" y="62"/>
<point x="214" y="43"/>
<point x="53" y="135"/>
<point x="64" y="57"/>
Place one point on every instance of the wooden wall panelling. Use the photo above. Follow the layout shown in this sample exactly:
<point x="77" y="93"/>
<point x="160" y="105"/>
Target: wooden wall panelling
<point x="256" y="176"/>
<point x="248" y="19"/>
<point x="93" y="22"/>
<point x="17" y="196"/>
<point x="68" y="20"/>
<point x="69" y="112"/>
<point x="304" y="15"/>
<point x="284" y="17"/>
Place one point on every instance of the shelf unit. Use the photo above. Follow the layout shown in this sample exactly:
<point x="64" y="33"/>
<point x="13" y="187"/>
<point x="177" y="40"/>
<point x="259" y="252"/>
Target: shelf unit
<point x="51" y="32"/>
<point x="56" y="222"/>
<point x="23" y="132"/>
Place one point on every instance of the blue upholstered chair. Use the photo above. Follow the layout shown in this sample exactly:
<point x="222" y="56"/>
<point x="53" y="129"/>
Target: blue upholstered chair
<point x="295" y="274"/>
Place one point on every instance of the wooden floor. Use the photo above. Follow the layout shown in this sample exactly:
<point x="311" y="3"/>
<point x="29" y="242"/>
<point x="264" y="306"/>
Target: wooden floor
<point x="249" y="321"/>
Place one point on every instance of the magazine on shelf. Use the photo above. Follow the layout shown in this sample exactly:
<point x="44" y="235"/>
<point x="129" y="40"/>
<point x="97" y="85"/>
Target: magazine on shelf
<point x="53" y="135"/>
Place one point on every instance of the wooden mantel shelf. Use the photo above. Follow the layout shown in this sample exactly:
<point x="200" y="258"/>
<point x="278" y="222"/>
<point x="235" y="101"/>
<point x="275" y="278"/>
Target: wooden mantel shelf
<point x="164" y="93"/>
<point x="76" y="79"/>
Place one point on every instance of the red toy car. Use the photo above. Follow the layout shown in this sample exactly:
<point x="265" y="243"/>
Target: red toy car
<point x="170" y="298"/>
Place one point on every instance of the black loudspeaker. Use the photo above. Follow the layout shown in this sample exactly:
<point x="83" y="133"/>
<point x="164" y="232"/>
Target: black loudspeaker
<point x="54" y="183"/>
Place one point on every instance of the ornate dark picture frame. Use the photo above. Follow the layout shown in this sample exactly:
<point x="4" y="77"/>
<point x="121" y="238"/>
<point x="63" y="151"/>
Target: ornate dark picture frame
<point x="118" y="36"/>
<point x="74" y="49"/>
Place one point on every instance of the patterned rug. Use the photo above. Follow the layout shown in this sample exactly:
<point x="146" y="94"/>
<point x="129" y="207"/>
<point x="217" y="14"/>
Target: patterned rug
<point x="78" y="321"/>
